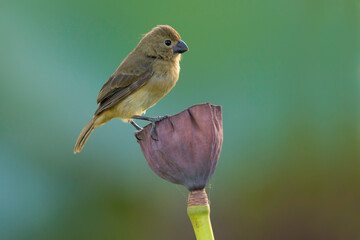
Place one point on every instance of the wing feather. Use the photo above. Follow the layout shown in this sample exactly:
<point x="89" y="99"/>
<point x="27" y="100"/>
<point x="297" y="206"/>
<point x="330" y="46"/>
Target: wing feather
<point x="120" y="87"/>
<point x="116" y="83"/>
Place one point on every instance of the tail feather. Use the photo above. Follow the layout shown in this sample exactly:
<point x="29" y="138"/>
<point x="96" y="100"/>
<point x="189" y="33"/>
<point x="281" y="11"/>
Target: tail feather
<point x="84" y="135"/>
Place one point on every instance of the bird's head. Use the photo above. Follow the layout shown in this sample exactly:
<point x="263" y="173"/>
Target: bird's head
<point x="162" y="42"/>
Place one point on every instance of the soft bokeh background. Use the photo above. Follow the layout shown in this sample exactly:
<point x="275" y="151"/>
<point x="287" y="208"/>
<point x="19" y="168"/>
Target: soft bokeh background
<point x="285" y="72"/>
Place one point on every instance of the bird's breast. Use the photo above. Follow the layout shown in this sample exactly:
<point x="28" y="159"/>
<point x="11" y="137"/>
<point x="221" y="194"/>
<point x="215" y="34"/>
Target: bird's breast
<point x="164" y="78"/>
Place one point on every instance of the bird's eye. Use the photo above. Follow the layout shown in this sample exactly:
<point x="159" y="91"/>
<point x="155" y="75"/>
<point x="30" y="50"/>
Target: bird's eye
<point x="167" y="42"/>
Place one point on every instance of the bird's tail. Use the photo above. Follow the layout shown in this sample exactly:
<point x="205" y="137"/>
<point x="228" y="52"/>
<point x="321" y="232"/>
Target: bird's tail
<point x="84" y="135"/>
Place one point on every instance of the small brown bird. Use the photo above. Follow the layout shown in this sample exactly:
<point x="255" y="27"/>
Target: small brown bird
<point x="145" y="76"/>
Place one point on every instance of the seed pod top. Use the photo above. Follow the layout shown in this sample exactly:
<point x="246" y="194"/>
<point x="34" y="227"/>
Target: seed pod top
<point x="188" y="147"/>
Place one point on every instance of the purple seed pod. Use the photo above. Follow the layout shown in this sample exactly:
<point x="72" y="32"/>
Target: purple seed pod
<point x="188" y="146"/>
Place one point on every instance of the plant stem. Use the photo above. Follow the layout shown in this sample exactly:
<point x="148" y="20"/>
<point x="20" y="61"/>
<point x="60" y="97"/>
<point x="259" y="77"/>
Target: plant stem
<point x="199" y="213"/>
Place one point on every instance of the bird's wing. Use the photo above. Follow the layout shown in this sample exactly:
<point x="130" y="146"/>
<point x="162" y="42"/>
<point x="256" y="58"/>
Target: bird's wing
<point x="116" y="83"/>
<point x="120" y="86"/>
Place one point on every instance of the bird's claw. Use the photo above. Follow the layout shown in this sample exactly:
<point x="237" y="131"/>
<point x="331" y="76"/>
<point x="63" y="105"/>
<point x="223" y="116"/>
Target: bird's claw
<point x="153" y="121"/>
<point x="152" y="131"/>
<point x="163" y="117"/>
<point x="153" y="126"/>
<point x="136" y="133"/>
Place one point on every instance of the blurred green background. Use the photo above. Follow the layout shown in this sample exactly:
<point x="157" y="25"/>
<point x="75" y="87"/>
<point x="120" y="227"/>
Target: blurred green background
<point x="285" y="72"/>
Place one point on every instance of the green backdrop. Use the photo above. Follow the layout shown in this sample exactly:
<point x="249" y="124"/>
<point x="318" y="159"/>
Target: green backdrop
<point x="285" y="72"/>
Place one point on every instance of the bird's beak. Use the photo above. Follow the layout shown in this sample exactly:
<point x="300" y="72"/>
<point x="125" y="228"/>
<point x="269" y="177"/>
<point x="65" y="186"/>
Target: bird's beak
<point x="181" y="47"/>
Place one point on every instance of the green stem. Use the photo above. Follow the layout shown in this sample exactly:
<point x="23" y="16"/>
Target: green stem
<point x="200" y="219"/>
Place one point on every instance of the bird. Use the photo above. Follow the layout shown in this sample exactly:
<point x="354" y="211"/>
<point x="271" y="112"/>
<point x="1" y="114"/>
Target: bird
<point x="144" y="77"/>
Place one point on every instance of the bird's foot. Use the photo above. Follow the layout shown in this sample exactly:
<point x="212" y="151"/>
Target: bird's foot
<point x="153" y="121"/>
<point x="138" y="128"/>
<point x="150" y="119"/>
<point x="136" y="133"/>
